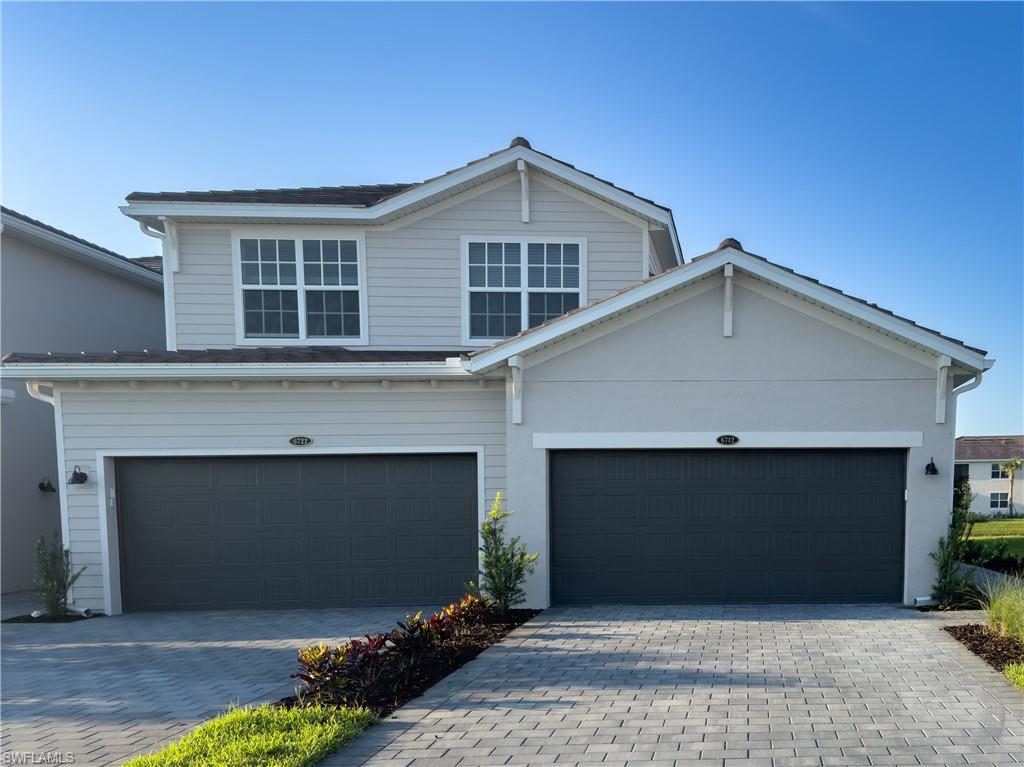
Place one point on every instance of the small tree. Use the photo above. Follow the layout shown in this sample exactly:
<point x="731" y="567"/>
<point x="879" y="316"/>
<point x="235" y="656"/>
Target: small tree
<point x="1010" y="469"/>
<point x="54" y="576"/>
<point x="504" y="564"/>
<point x="951" y="588"/>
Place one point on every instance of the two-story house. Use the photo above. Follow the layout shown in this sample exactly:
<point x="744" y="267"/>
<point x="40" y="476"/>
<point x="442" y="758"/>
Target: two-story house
<point x="982" y="460"/>
<point x="357" y="371"/>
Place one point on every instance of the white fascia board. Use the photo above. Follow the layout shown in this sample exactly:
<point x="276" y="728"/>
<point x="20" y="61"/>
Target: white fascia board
<point x="676" y="279"/>
<point x="226" y="371"/>
<point x="82" y="252"/>
<point x="418" y="194"/>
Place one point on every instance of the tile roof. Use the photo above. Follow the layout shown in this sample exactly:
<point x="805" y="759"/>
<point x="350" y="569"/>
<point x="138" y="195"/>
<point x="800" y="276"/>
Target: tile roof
<point x="359" y="196"/>
<point x="67" y="235"/>
<point x="990" y="448"/>
<point x="153" y="263"/>
<point x="293" y="354"/>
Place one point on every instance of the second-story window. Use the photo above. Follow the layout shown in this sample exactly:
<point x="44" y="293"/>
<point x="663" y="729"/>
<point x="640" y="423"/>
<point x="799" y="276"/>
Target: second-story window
<point x="269" y="294"/>
<point x="301" y="289"/>
<point x="518" y="283"/>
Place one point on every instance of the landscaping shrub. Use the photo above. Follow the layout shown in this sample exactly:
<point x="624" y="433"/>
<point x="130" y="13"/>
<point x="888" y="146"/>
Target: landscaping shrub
<point x="380" y="670"/>
<point x="54" y="576"/>
<point x="953" y="590"/>
<point x="504" y="563"/>
<point x="1003" y="602"/>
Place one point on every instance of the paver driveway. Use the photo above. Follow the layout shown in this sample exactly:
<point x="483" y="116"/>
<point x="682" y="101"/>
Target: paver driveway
<point x="673" y="686"/>
<point x="107" y="688"/>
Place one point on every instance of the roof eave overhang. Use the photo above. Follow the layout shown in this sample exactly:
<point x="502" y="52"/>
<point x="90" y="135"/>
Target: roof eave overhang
<point x="53" y="372"/>
<point x="963" y="357"/>
<point x="77" y="251"/>
<point x="152" y="212"/>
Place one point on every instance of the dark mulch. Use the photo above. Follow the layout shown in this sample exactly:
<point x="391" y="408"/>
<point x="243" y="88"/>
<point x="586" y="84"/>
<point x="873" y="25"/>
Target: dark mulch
<point x="69" y="618"/>
<point x="438" y="664"/>
<point x="996" y="650"/>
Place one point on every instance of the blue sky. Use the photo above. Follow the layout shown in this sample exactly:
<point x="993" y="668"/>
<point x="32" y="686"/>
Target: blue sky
<point x="877" y="147"/>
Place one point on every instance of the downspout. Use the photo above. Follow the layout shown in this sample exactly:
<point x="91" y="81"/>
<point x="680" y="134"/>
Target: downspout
<point x="169" y="253"/>
<point x="32" y="387"/>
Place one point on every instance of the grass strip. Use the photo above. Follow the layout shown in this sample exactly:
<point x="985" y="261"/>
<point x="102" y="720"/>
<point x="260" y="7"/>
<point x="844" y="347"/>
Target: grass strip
<point x="269" y="736"/>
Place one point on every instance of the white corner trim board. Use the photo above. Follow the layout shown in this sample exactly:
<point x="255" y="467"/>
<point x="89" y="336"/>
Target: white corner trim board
<point x="708" y="439"/>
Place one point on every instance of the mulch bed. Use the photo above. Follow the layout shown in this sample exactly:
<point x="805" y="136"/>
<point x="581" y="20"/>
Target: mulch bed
<point x="438" y="664"/>
<point x="996" y="650"/>
<point x="69" y="618"/>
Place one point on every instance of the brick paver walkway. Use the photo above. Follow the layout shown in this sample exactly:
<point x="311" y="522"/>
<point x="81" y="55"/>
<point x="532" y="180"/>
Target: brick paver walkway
<point x="725" y="686"/>
<point x="108" y="688"/>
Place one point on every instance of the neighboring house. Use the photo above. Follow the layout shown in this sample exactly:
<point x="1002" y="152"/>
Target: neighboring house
<point x="358" y="370"/>
<point x="980" y="459"/>
<point x="58" y="292"/>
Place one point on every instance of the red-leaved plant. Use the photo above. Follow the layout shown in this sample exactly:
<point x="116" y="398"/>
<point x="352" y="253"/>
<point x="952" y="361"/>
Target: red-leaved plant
<point x="376" y="670"/>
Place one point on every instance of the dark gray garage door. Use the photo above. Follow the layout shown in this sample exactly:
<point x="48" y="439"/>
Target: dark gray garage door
<point x="727" y="526"/>
<point x="317" y="531"/>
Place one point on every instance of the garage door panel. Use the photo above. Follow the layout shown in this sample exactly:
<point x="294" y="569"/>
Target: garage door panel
<point x="291" y="532"/>
<point x="726" y="526"/>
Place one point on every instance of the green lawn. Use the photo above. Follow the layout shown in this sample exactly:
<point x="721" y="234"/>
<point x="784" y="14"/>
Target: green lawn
<point x="1000" y="532"/>
<point x="266" y="736"/>
<point x="999" y="528"/>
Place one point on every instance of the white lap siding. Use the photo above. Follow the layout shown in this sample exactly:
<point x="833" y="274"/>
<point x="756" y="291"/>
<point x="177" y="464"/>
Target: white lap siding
<point x="413" y="279"/>
<point x="153" y="420"/>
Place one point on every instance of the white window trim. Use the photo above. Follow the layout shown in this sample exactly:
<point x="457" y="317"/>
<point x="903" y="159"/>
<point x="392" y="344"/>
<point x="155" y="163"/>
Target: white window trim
<point x="298" y="234"/>
<point x="998" y="501"/>
<point x="524" y="288"/>
<point x="995" y="472"/>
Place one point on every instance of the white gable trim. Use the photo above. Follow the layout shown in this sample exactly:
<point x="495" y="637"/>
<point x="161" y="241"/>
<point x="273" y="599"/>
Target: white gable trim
<point x="417" y="195"/>
<point x="648" y="291"/>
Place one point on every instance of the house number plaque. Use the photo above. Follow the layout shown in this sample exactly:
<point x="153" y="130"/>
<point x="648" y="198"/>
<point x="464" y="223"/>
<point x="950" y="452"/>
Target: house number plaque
<point x="301" y="441"/>
<point x="728" y="439"/>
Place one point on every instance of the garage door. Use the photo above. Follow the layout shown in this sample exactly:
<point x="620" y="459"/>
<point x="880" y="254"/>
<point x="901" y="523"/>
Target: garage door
<point x="201" y="533"/>
<point x="727" y="526"/>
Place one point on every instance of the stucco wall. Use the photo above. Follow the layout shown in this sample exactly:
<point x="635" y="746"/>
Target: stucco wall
<point x="668" y="368"/>
<point x="212" y="419"/>
<point x="53" y="303"/>
<point x="414" y="294"/>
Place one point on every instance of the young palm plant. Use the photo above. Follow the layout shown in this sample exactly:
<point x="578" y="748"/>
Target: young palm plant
<point x="1010" y="469"/>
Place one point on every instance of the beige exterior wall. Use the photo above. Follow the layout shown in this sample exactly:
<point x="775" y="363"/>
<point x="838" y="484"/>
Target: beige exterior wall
<point x="53" y="303"/>
<point x="783" y="372"/>
<point x="414" y="294"/>
<point x="215" y="419"/>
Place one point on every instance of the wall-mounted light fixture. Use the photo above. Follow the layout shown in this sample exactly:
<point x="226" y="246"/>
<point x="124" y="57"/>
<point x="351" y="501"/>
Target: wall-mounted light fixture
<point x="46" y="486"/>
<point x="931" y="469"/>
<point x="78" y="477"/>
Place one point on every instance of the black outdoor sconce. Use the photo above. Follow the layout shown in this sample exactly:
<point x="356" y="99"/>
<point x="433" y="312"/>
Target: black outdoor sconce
<point x="78" y="477"/>
<point x="931" y="469"/>
<point x="46" y="486"/>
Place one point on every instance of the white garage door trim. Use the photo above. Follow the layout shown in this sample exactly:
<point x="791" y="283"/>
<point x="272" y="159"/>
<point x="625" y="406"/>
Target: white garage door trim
<point x="107" y="501"/>
<point x="653" y="440"/>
